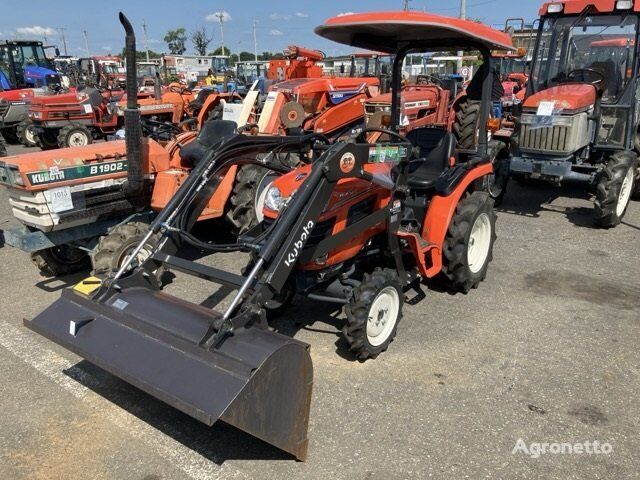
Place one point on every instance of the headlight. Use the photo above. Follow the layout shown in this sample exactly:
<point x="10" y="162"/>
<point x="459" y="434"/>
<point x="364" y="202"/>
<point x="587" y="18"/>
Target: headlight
<point x="36" y="115"/>
<point x="273" y="200"/>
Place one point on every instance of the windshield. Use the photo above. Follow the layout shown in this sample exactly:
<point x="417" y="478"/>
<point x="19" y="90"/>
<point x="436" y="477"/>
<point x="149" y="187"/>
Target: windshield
<point x="575" y="43"/>
<point x="108" y="68"/>
<point x="147" y="70"/>
<point x="507" y="65"/>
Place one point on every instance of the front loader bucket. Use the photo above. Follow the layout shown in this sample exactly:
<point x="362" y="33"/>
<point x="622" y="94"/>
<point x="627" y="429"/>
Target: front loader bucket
<point x="257" y="380"/>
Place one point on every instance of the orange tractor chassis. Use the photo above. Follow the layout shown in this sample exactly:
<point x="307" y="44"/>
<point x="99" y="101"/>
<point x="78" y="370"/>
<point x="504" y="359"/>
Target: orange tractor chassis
<point x="229" y="365"/>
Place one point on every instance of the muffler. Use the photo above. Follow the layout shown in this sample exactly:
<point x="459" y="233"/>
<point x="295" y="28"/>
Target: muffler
<point x="256" y="380"/>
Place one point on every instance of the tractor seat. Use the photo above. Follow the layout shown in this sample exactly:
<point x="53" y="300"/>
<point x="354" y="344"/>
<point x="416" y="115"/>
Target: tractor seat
<point x="198" y="102"/>
<point x="435" y="147"/>
<point x="212" y="134"/>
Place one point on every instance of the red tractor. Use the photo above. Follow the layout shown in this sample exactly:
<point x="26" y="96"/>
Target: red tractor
<point x="77" y="119"/>
<point x="579" y="120"/>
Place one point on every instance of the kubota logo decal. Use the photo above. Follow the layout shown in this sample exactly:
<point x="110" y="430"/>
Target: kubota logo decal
<point x="347" y="162"/>
<point x="292" y="256"/>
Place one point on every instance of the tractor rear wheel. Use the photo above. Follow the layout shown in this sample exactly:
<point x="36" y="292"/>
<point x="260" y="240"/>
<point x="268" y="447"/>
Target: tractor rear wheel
<point x="74" y="135"/>
<point x="373" y="313"/>
<point x="47" y="140"/>
<point x="614" y="190"/>
<point x="27" y="134"/>
<point x="60" y="260"/>
<point x="244" y="198"/>
<point x="115" y="248"/>
<point x="468" y="245"/>
<point x="465" y="125"/>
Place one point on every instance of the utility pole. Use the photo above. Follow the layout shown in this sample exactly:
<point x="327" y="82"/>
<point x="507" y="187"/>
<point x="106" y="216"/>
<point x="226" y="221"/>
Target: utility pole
<point x="146" y="39"/>
<point x="406" y="5"/>
<point x="220" y="16"/>
<point x="463" y="16"/>
<point x="255" y="41"/>
<point x="86" y="42"/>
<point x="64" y="40"/>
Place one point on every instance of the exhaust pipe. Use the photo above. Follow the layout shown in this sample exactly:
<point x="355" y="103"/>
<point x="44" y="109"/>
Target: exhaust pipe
<point x="132" y="128"/>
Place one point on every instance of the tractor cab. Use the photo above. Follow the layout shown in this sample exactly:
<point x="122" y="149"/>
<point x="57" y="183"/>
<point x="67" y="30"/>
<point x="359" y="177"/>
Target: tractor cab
<point x="579" y="116"/>
<point x="24" y="65"/>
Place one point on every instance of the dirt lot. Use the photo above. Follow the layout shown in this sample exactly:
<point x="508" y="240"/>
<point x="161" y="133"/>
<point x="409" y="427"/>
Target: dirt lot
<point x="546" y="350"/>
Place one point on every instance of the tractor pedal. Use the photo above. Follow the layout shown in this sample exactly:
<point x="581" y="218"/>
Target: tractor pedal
<point x="418" y="297"/>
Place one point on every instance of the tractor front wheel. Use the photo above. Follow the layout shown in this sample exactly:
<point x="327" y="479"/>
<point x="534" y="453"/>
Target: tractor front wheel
<point x="468" y="245"/>
<point x="27" y="134"/>
<point x="373" y="313"/>
<point x="114" y="249"/>
<point x="47" y="140"/>
<point x="614" y="190"/>
<point x="60" y="260"/>
<point x="74" y="136"/>
<point x="245" y="199"/>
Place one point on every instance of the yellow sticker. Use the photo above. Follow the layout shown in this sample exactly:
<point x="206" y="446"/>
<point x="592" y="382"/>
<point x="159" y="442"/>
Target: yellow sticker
<point x="88" y="285"/>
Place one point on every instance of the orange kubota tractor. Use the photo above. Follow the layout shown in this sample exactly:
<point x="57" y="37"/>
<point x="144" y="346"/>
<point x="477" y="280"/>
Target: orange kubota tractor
<point x="579" y="120"/>
<point x="356" y="230"/>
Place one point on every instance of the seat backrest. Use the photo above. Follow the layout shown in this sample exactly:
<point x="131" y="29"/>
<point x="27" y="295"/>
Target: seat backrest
<point x="434" y="145"/>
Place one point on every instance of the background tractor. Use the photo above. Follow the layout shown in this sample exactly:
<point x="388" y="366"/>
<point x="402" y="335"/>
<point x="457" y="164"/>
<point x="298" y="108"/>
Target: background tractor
<point x="579" y="120"/>
<point x="25" y="71"/>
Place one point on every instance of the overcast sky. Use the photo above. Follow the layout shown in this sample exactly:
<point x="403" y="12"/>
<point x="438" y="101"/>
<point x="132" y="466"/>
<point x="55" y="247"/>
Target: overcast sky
<point x="279" y="22"/>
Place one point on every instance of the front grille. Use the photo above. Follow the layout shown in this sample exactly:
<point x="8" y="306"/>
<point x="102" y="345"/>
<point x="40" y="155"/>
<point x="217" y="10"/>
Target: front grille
<point x="65" y="114"/>
<point x="545" y="139"/>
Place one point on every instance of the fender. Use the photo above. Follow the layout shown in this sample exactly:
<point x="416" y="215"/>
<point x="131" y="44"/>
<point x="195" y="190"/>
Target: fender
<point x="440" y="213"/>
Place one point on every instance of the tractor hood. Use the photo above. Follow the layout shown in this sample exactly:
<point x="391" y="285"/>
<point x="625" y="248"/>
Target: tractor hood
<point x="410" y="94"/>
<point x="72" y="166"/>
<point x="48" y="100"/>
<point x="17" y="95"/>
<point x="570" y="98"/>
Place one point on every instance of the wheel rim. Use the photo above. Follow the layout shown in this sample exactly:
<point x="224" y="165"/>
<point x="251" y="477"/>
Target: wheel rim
<point x="78" y="139"/>
<point x="141" y="257"/>
<point x="30" y="135"/>
<point x="383" y="316"/>
<point x="263" y="188"/>
<point x="479" y="243"/>
<point x="625" y="192"/>
<point x="493" y="186"/>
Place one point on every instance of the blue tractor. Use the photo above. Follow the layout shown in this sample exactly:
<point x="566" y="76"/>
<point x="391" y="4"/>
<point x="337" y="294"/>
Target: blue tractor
<point x="23" y="67"/>
<point x="23" y="64"/>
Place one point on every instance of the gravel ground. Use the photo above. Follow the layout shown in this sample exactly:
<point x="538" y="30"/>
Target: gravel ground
<point x="544" y="351"/>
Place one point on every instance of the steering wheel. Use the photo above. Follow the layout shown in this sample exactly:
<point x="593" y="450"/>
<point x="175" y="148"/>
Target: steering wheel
<point x="180" y="90"/>
<point x="588" y="71"/>
<point x="360" y="137"/>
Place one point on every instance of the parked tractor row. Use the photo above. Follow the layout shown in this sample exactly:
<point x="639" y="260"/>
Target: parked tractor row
<point x="332" y="189"/>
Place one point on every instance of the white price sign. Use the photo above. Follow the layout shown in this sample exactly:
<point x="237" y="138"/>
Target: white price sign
<point x="87" y="108"/>
<point x="59" y="199"/>
<point x="545" y="109"/>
